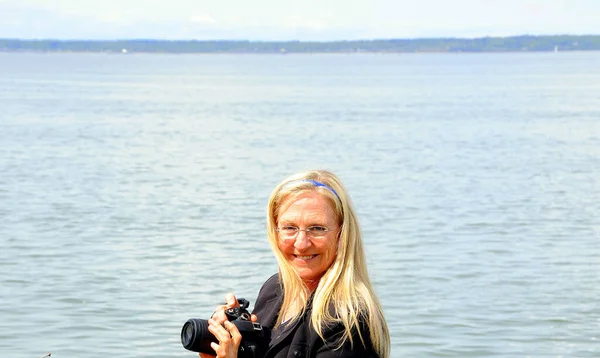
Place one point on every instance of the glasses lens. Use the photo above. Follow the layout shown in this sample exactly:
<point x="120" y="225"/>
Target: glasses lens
<point x="288" y="232"/>
<point x="316" y="231"/>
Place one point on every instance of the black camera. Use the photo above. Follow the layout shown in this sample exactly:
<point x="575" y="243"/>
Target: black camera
<point x="255" y="338"/>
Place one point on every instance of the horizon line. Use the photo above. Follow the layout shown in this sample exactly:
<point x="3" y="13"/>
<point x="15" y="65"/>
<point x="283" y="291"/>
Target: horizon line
<point x="296" y="40"/>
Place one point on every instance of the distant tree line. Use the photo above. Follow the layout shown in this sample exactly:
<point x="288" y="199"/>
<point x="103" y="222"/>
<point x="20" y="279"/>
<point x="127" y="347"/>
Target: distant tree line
<point x="484" y="44"/>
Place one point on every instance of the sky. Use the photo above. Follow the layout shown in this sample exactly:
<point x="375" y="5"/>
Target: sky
<point x="303" y="20"/>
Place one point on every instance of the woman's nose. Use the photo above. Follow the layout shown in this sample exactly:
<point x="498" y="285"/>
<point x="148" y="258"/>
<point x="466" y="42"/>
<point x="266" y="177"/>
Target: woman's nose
<point x="302" y="240"/>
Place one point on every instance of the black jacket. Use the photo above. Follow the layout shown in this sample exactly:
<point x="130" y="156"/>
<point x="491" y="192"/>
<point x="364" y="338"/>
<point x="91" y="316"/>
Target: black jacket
<point x="300" y="340"/>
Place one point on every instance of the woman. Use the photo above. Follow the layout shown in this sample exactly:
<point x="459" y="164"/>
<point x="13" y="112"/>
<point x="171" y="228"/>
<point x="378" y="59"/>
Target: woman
<point x="321" y="303"/>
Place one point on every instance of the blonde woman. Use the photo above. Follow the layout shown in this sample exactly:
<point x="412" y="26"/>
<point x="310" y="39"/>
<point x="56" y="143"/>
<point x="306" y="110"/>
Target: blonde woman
<point x="321" y="303"/>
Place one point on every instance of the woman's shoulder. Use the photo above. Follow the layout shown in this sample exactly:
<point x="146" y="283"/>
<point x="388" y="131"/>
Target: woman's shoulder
<point x="268" y="302"/>
<point x="271" y="287"/>
<point x="271" y="281"/>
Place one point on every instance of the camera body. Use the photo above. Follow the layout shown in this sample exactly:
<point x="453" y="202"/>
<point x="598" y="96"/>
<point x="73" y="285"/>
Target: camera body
<point x="255" y="338"/>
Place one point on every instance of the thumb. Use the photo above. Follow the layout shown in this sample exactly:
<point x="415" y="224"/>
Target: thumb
<point x="253" y="318"/>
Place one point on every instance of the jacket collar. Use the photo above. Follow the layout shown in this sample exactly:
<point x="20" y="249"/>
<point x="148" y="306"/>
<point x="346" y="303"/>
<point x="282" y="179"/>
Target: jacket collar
<point x="280" y="334"/>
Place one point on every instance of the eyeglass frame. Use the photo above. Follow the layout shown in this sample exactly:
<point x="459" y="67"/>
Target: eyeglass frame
<point x="306" y="230"/>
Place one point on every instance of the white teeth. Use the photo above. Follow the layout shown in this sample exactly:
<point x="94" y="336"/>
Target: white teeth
<point x="306" y="257"/>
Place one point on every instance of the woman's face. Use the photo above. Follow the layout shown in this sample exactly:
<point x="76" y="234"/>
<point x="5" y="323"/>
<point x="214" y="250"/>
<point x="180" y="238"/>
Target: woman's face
<point x="310" y="257"/>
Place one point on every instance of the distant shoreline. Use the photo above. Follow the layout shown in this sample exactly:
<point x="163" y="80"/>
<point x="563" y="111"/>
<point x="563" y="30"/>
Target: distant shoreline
<point x="525" y="43"/>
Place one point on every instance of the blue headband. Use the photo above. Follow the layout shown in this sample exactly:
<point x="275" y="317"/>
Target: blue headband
<point x="316" y="183"/>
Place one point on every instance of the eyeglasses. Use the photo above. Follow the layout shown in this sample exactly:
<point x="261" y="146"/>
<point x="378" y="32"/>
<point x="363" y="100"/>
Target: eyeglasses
<point x="290" y="232"/>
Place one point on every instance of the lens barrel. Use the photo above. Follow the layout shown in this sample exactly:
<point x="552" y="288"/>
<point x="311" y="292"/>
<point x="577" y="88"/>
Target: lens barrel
<point x="196" y="337"/>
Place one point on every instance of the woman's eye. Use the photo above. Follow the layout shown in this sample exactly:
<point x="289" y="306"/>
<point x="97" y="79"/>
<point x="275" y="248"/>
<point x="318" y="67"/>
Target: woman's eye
<point x="318" y="228"/>
<point x="289" y="228"/>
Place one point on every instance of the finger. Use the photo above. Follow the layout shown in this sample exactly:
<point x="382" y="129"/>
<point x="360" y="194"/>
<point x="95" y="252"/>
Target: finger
<point x="253" y="318"/>
<point x="231" y="300"/>
<point x="219" y="314"/>
<point x="236" y="336"/>
<point x="217" y="348"/>
<point x="219" y="331"/>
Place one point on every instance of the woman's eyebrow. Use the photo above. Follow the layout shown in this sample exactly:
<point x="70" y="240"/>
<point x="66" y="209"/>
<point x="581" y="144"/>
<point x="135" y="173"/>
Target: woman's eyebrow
<point x="309" y="222"/>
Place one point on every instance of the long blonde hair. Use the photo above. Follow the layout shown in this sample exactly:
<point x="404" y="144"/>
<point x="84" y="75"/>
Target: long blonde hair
<point x="344" y="293"/>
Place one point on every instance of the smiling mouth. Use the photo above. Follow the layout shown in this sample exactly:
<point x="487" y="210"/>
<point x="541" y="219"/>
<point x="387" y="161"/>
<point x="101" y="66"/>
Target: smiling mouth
<point x="305" y="257"/>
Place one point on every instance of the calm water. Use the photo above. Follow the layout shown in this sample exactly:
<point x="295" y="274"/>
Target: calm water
<point x="133" y="192"/>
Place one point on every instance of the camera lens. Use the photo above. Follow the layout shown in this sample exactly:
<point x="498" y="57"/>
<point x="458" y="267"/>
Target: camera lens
<point x="188" y="334"/>
<point x="196" y="337"/>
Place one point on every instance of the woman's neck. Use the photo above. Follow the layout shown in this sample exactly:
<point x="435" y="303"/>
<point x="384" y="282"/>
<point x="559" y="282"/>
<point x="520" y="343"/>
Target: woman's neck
<point x="295" y="306"/>
<point x="311" y="285"/>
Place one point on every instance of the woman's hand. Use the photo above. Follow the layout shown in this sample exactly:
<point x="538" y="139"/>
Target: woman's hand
<point x="230" y="302"/>
<point x="219" y="319"/>
<point x="229" y="338"/>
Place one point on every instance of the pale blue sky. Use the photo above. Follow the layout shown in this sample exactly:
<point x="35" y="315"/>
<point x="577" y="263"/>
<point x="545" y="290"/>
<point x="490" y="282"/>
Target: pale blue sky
<point x="320" y="20"/>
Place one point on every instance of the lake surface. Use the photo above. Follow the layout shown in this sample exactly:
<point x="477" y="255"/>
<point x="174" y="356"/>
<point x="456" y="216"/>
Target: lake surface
<point x="133" y="191"/>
